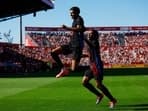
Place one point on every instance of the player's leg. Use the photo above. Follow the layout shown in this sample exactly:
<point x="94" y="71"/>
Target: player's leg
<point x="103" y="88"/>
<point x="64" y="70"/>
<point x="73" y="64"/>
<point x="76" y="56"/>
<point x="107" y="93"/>
<point x="85" y="81"/>
<point x="99" y="78"/>
<point x="55" y="55"/>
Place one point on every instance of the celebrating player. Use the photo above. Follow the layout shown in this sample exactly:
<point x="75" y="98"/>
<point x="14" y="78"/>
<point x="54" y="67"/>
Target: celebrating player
<point x="75" y="45"/>
<point x="96" y="70"/>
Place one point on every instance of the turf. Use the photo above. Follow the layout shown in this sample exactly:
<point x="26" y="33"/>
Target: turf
<point x="67" y="94"/>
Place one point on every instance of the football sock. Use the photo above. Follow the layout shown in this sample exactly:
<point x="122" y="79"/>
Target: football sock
<point x="57" y="59"/>
<point x="106" y="92"/>
<point x="92" y="89"/>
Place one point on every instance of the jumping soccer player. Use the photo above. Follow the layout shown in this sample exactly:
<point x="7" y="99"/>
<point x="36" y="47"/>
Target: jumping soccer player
<point x="75" y="46"/>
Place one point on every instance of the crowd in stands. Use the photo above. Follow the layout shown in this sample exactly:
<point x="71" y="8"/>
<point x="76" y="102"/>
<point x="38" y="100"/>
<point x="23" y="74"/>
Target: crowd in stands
<point x="21" y="59"/>
<point x="117" y="48"/>
<point x="125" y="49"/>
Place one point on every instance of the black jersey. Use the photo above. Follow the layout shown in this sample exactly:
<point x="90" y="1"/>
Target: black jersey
<point x="78" y="36"/>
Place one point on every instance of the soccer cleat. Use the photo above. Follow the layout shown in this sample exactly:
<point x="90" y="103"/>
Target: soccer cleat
<point x="99" y="99"/>
<point x="112" y="103"/>
<point x="62" y="73"/>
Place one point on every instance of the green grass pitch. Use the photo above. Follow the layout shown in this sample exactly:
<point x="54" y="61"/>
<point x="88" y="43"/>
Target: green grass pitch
<point x="68" y="94"/>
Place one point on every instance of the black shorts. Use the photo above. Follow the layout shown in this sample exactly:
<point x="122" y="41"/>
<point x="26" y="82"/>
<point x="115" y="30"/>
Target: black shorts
<point x="76" y="52"/>
<point x="89" y="73"/>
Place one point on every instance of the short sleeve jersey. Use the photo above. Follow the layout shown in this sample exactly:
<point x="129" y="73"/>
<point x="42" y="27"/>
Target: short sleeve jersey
<point x="78" y="36"/>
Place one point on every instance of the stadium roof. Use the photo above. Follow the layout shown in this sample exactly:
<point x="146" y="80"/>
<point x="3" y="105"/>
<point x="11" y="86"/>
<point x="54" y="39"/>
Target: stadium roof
<point x="14" y="8"/>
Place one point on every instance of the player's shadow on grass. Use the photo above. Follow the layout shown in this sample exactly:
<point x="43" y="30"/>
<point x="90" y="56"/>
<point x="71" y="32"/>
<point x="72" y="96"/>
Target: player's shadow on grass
<point x="135" y="107"/>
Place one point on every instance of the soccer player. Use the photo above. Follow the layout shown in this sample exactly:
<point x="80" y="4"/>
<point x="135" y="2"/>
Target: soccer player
<point x="96" y="70"/>
<point x="75" y="46"/>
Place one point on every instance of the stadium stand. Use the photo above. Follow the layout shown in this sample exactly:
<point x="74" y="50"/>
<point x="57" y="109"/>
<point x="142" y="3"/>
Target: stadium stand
<point x="12" y="57"/>
<point x="119" y="49"/>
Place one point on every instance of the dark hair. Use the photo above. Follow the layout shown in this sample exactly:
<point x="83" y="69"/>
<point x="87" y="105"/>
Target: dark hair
<point x="95" y="33"/>
<point x="75" y="9"/>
